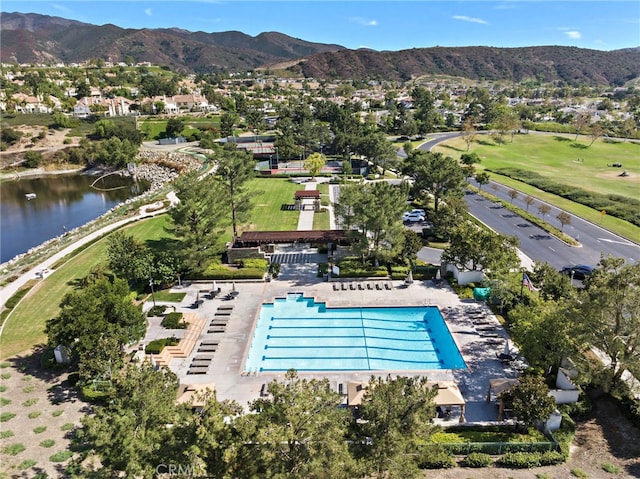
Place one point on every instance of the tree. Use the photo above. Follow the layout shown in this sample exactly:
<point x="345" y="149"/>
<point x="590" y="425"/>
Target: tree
<point x="396" y="415"/>
<point x="553" y="285"/>
<point x="482" y="179"/>
<point x="299" y="430"/>
<point x="545" y="333"/>
<point x="174" y="127"/>
<point x="479" y="249"/>
<point x="544" y="209"/>
<point x="411" y="245"/>
<point x="564" y="218"/>
<point x="529" y="200"/>
<point x="314" y="163"/>
<point x="372" y="213"/>
<point x="102" y="309"/>
<point x="435" y="177"/>
<point x="530" y="400"/>
<point x="608" y="312"/>
<point x="468" y="160"/>
<point x="596" y="131"/>
<point x="380" y="151"/>
<point x="128" y="258"/>
<point x="580" y="122"/>
<point x="233" y="169"/>
<point x="140" y="426"/>
<point x="33" y="159"/>
<point x="469" y="131"/>
<point x="198" y="218"/>
<point x="513" y="194"/>
<point x="227" y="122"/>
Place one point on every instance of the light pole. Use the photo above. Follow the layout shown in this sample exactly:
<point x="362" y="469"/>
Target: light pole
<point x="153" y="297"/>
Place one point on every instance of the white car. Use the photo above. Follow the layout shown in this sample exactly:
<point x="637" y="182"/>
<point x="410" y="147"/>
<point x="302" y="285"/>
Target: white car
<point x="413" y="218"/>
<point x="418" y="211"/>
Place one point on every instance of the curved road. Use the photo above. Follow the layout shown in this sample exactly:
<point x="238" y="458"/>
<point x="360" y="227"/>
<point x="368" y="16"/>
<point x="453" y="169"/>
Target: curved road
<point x="535" y="242"/>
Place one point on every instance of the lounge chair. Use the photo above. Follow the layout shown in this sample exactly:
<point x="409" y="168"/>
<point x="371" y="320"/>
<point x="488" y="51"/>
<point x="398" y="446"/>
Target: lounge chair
<point x="335" y="287"/>
<point x="387" y="287"/>
<point x="352" y="286"/>
<point x="360" y="286"/>
<point x="369" y="286"/>
<point x="343" y="286"/>
<point x="378" y="286"/>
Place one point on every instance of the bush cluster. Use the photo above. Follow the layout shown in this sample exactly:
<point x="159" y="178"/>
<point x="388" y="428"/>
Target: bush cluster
<point x="157" y="345"/>
<point x="352" y="268"/>
<point x="435" y="458"/>
<point x="621" y="207"/>
<point x="478" y="459"/>
<point x="173" y="321"/>
<point x="157" y="310"/>
<point x="527" y="460"/>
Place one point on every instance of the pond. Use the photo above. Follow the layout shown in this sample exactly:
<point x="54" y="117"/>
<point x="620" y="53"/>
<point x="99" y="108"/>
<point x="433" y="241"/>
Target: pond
<point x="61" y="203"/>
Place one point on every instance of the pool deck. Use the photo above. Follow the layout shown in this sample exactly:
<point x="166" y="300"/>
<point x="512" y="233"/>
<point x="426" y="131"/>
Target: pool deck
<point x="229" y="323"/>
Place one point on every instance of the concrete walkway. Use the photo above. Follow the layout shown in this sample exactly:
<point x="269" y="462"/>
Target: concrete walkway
<point x="305" y="220"/>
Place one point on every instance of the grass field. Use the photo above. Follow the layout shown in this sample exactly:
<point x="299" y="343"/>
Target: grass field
<point x="269" y="194"/>
<point x="25" y="326"/>
<point x="565" y="161"/>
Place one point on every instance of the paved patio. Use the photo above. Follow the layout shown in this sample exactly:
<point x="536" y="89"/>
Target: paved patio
<point x="475" y="330"/>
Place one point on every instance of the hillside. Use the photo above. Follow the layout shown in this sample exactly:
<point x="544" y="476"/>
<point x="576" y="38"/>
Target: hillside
<point x="548" y="63"/>
<point x="33" y="38"/>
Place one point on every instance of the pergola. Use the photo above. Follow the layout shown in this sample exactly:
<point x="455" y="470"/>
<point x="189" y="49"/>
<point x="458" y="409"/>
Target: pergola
<point x="258" y="238"/>
<point x="498" y="387"/>
<point x="448" y="394"/>
<point x="301" y="195"/>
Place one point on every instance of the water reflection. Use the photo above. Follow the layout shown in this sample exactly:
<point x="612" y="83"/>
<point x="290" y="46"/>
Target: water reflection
<point x="62" y="202"/>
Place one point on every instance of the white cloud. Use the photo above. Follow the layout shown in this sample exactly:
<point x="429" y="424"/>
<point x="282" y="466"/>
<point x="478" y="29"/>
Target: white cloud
<point x="148" y="12"/>
<point x="364" y="22"/>
<point x="464" y="18"/>
<point x="573" y="34"/>
<point x="62" y="8"/>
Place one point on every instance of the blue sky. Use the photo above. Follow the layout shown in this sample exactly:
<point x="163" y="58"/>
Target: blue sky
<point x="381" y="25"/>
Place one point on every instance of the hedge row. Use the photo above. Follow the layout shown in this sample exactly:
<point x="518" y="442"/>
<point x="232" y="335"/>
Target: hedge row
<point x="352" y="268"/>
<point x="157" y="345"/>
<point x="527" y="460"/>
<point x="621" y="207"/>
<point x="173" y="321"/>
<point x="222" y="273"/>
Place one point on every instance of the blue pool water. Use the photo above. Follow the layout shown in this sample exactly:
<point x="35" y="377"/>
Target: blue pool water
<point x="296" y="332"/>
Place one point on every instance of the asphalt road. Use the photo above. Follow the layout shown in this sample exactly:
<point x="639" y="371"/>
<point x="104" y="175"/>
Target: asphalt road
<point x="535" y="242"/>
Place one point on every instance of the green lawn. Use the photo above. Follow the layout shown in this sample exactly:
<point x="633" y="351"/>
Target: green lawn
<point x="556" y="157"/>
<point x="321" y="220"/>
<point x="269" y="195"/>
<point x="562" y="159"/>
<point x="25" y="326"/>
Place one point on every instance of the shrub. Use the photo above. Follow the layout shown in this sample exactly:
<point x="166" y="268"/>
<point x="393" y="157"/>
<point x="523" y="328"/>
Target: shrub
<point x="274" y="269"/>
<point x="34" y="414"/>
<point x="4" y="401"/>
<point x="577" y="472"/>
<point x="3" y="388"/>
<point x="611" y="468"/>
<point x="13" y="449"/>
<point x="47" y="443"/>
<point x="257" y="263"/>
<point x="155" y="346"/>
<point x="173" y="321"/>
<point x="30" y="402"/>
<point x="26" y="464"/>
<point x="57" y="413"/>
<point x="67" y="426"/>
<point x="435" y="458"/>
<point x="61" y="456"/>
<point x="6" y="416"/>
<point x="157" y="310"/>
<point x="527" y="460"/>
<point x="6" y="434"/>
<point x="478" y="459"/>
<point x="39" y="429"/>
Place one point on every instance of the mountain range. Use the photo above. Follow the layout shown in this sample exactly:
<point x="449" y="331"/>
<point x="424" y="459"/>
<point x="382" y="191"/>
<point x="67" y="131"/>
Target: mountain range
<point x="35" y="38"/>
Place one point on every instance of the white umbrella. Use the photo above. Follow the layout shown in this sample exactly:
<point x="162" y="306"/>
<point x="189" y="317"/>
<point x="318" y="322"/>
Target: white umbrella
<point x="438" y="274"/>
<point x="507" y="348"/>
<point x="233" y="286"/>
<point x="213" y="287"/>
<point x="409" y="277"/>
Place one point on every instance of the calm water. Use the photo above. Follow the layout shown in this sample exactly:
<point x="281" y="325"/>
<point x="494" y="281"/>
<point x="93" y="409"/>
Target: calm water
<point x="295" y="332"/>
<point x="62" y="201"/>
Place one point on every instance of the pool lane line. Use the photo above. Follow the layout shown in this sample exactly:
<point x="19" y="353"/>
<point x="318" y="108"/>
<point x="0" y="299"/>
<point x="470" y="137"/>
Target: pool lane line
<point x="364" y="339"/>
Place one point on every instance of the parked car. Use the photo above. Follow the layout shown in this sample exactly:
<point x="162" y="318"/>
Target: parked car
<point x="413" y="218"/>
<point x="418" y="211"/>
<point x="578" y="271"/>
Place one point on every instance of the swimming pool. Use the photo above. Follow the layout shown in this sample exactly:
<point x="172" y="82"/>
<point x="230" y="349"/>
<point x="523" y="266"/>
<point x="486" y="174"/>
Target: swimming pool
<point x="296" y="332"/>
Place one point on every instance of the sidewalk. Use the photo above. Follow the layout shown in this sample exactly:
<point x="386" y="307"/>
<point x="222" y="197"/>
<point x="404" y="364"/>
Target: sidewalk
<point x="305" y="220"/>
